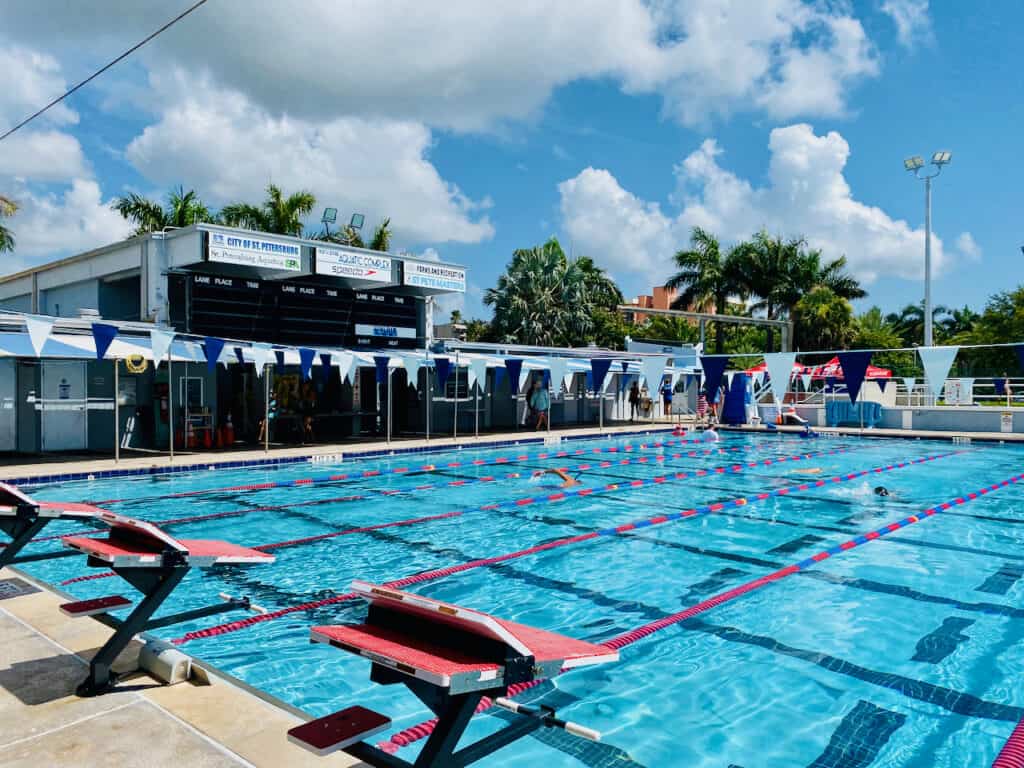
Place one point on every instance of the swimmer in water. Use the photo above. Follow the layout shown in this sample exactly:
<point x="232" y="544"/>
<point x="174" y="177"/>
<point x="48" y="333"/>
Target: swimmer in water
<point x="567" y="482"/>
<point x="709" y="436"/>
<point x="881" y="490"/>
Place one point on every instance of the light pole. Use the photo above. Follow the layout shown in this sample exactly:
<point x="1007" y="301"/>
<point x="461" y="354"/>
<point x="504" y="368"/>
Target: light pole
<point x="914" y="165"/>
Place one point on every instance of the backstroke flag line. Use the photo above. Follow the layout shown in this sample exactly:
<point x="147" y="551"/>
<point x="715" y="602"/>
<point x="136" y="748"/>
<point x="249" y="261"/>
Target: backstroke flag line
<point x="713" y="368"/>
<point x="38" y="331"/>
<point x="937" y="361"/>
<point x="160" y="342"/>
<point x="855" y="367"/>
<point x="780" y="369"/>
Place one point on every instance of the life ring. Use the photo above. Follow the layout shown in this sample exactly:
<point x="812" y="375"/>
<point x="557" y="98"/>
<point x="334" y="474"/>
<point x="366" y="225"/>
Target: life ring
<point x="136" y="363"/>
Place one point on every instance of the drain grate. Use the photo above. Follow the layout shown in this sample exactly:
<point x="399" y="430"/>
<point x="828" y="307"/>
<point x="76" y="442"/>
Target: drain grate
<point x="15" y="588"/>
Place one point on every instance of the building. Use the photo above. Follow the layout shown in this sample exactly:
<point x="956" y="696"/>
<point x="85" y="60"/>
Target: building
<point x="660" y="297"/>
<point x="210" y="280"/>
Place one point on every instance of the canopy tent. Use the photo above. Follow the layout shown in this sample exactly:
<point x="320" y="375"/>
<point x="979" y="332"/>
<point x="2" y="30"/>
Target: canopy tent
<point x="831" y="369"/>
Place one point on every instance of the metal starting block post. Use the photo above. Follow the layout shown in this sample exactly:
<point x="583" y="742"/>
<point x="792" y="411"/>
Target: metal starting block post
<point x="23" y="518"/>
<point x="154" y="563"/>
<point x="450" y="657"/>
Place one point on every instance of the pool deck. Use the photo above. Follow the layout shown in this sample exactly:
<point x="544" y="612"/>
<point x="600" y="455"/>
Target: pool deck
<point x="44" y="655"/>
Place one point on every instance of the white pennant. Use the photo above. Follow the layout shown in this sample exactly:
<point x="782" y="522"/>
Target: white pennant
<point x="758" y="379"/>
<point x="558" y="366"/>
<point x="344" y="362"/>
<point x="676" y="376"/>
<point x="780" y="369"/>
<point x="477" y="373"/>
<point x="937" y="361"/>
<point x="652" y="369"/>
<point x="261" y="354"/>
<point x="412" y="364"/>
<point x="806" y="379"/>
<point x="160" y="341"/>
<point x="39" y="328"/>
<point x="908" y="382"/>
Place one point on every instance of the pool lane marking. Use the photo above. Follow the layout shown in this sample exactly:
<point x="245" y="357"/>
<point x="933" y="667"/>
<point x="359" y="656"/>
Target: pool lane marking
<point x="551" y="498"/>
<point x="1012" y="753"/>
<point x="422" y="730"/>
<point x="421" y="469"/>
<point x="438" y="573"/>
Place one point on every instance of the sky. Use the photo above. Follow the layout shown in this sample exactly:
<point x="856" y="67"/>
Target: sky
<point x="479" y="128"/>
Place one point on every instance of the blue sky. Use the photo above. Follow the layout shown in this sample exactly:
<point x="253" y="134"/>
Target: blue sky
<point x="612" y="124"/>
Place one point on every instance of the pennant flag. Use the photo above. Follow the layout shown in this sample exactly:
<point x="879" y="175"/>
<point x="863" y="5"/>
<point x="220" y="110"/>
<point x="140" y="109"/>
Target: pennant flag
<point x="589" y="381"/>
<point x="261" y="354"/>
<point x="160" y="341"/>
<point x="855" y="367"/>
<point x="478" y="373"/>
<point x="443" y="366"/>
<point x="830" y="383"/>
<point x="652" y="369"/>
<point x="412" y="364"/>
<point x="713" y="367"/>
<point x="806" y="379"/>
<point x="728" y="380"/>
<point x="780" y="368"/>
<point x="380" y="362"/>
<point x="559" y="367"/>
<point x="499" y="376"/>
<point x="279" y="354"/>
<point x="212" y="347"/>
<point x="758" y="378"/>
<point x="344" y="361"/>
<point x="514" y="366"/>
<point x="239" y="356"/>
<point x="908" y="383"/>
<point x="325" y="369"/>
<point x="677" y="375"/>
<point x="103" y="335"/>
<point x="306" y="356"/>
<point x="937" y="361"/>
<point x="882" y="384"/>
<point x="599" y="367"/>
<point x="39" y="328"/>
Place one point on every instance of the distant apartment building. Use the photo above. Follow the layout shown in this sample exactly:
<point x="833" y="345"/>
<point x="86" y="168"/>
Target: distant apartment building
<point x="659" y="298"/>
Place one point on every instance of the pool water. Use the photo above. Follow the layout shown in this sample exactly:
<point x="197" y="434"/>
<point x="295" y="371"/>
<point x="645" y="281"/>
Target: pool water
<point x="902" y="651"/>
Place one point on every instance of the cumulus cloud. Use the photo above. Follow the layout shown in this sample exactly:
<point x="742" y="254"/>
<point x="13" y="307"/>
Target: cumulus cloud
<point x="911" y="19"/>
<point x="806" y="194"/>
<point x="43" y="156"/>
<point x="968" y="246"/>
<point x="31" y="79"/>
<point x="228" y="148"/>
<point x="469" y="66"/>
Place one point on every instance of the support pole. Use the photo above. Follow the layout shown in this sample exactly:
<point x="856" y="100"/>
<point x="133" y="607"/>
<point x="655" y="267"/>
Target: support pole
<point x="391" y="373"/>
<point x="117" y="416"/>
<point x="266" y="409"/>
<point x="476" y="409"/>
<point x="455" y="410"/>
<point x="430" y="391"/>
<point x="170" y="403"/>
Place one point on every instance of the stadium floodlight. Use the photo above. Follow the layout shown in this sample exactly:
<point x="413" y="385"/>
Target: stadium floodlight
<point x="357" y="221"/>
<point x="913" y="163"/>
<point x="330" y="216"/>
<point x="942" y="158"/>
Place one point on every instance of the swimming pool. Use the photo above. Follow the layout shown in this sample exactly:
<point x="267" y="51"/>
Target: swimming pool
<point x="897" y="649"/>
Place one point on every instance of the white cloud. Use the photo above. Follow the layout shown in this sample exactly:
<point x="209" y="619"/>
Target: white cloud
<point x="31" y="79"/>
<point x="43" y="156"/>
<point x="469" y="66"/>
<point x="806" y="194"/>
<point x="968" y="246"/>
<point x="228" y="148"/>
<point x="911" y="19"/>
<point x="51" y="225"/>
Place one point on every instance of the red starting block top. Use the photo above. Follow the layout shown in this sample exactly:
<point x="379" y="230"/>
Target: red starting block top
<point x="11" y="498"/>
<point x="136" y="543"/>
<point x="447" y="667"/>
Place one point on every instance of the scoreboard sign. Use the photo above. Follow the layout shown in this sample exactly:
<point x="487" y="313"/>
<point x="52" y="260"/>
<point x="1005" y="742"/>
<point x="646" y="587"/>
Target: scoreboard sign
<point x="429" y="274"/>
<point x="355" y="265"/>
<point x="247" y="251"/>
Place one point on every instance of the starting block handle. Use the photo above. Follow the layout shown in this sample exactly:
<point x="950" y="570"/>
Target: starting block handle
<point x="547" y="716"/>
<point x="242" y="602"/>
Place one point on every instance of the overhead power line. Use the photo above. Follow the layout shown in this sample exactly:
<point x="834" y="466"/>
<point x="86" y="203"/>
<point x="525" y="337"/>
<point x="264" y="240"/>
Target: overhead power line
<point x="100" y="71"/>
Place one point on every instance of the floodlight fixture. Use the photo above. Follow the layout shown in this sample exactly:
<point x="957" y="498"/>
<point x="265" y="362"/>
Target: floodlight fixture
<point x="330" y="216"/>
<point x="942" y="157"/>
<point x="913" y="163"/>
<point x="357" y="221"/>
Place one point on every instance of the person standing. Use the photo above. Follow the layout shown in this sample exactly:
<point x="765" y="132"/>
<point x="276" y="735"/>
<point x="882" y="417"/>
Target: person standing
<point x="634" y="400"/>
<point x="540" y="402"/>
<point x="666" y="397"/>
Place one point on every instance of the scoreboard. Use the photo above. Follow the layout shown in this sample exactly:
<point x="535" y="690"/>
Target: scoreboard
<point x="291" y="313"/>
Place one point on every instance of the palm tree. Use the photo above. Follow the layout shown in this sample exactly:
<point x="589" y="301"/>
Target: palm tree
<point x="545" y="298"/>
<point x="7" y="208"/>
<point x="381" y="240"/>
<point x="706" y="278"/>
<point x="823" y="320"/>
<point x="277" y="214"/>
<point x="182" y="209"/>
<point x="909" y="321"/>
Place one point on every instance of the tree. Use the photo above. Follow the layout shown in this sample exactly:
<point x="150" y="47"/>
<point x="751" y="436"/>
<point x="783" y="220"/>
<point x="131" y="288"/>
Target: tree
<point x="1000" y="322"/>
<point x="822" y="320"/>
<point x="668" y="329"/>
<point x="181" y="210"/>
<point x="348" y="235"/>
<point x="478" y="330"/>
<point x="545" y="298"/>
<point x="874" y="331"/>
<point x="7" y="208"/>
<point x="277" y="214"/>
<point x="909" y="321"/>
<point x="706" y="277"/>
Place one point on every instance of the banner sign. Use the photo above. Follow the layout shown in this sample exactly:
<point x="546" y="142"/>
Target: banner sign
<point x="385" y="331"/>
<point x="427" y="274"/>
<point x="254" y="252"/>
<point x="355" y="265"/>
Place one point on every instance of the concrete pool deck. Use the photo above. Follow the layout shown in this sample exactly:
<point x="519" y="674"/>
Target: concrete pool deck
<point x="44" y="655"/>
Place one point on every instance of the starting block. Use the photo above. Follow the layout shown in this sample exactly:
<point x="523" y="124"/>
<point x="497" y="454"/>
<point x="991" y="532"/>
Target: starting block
<point x="154" y="563"/>
<point x="22" y="518"/>
<point x="450" y="657"/>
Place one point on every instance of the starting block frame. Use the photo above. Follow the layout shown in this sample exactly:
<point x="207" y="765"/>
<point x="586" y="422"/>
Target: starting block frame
<point x="154" y="563"/>
<point x="23" y="518"/>
<point x="449" y="657"/>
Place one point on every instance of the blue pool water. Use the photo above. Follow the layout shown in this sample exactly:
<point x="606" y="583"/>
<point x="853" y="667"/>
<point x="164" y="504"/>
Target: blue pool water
<point x="903" y="651"/>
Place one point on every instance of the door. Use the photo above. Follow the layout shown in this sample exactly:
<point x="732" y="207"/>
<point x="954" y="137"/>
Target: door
<point x="65" y="405"/>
